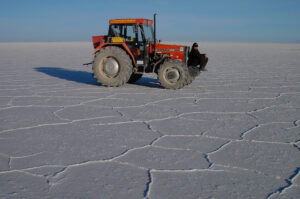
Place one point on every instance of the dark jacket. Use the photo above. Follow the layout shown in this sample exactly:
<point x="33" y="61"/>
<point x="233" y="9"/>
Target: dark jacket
<point x="194" y="58"/>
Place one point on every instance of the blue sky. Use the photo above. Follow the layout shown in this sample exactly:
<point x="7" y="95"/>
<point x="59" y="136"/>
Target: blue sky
<point x="178" y="20"/>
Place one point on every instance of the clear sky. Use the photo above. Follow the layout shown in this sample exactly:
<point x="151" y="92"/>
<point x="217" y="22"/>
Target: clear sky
<point x="178" y="20"/>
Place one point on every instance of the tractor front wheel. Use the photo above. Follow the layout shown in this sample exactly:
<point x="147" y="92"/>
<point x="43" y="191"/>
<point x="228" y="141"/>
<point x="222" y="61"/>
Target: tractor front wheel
<point x="172" y="74"/>
<point x="112" y="66"/>
<point x="193" y="73"/>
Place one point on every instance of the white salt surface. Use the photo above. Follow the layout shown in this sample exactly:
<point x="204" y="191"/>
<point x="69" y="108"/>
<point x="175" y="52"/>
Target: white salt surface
<point x="232" y="133"/>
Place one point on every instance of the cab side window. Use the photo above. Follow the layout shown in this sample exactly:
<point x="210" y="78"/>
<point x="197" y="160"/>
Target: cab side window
<point x="116" y="30"/>
<point x="130" y="33"/>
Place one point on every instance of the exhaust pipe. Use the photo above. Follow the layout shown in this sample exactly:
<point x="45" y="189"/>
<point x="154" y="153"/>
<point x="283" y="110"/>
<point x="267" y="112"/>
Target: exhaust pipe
<point x="154" y="48"/>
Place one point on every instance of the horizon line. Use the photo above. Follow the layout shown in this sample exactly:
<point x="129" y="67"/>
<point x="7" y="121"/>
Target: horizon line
<point x="249" y="42"/>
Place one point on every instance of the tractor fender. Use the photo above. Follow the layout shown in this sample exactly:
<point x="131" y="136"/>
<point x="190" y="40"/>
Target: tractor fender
<point x="121" y="45"/>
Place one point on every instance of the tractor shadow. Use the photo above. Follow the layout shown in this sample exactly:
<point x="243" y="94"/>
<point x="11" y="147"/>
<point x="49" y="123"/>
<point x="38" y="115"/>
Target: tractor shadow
<point x="87" y="78"/>
<point x="148" y="82"/>
<point x="70" y="75"/>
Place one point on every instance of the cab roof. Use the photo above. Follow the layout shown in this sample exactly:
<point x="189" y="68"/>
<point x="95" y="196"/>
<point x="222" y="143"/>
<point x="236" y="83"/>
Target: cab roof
<point x="130" y="21"/>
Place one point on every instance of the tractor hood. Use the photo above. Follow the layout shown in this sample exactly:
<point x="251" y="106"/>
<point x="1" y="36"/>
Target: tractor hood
<point x="174" y="51"/>
<point x="161" y="48"/>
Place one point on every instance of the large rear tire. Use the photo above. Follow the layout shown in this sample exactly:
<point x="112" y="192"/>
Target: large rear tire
<point x="134" y="77"/>
<point x="172" y="74"/>
<point x="112" y="66"/>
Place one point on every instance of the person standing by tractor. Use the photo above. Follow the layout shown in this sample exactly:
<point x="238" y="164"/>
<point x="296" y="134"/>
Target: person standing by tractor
<point x="197" y="59"/>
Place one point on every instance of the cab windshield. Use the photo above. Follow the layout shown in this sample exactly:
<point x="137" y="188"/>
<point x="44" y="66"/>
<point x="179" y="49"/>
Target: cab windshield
<point x="132" y="31"/>
<point x="148" y="31"/>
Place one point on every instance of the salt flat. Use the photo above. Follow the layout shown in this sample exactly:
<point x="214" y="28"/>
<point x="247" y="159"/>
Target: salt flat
<point x="233" y="133"/>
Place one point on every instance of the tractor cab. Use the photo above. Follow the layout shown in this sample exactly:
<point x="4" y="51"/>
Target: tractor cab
<point x="130" y="30"/>
<point x="137" y="34"/>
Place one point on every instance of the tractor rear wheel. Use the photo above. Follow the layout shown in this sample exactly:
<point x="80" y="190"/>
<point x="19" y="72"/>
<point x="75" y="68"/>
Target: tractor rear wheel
<point x="134" y="77"/>
<point x="112" y="66"/>
<point x="172" y="74"/>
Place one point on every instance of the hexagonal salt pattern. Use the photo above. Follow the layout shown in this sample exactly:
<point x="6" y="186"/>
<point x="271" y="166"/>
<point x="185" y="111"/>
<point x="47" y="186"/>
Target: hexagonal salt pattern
<point x="232" y="133"/>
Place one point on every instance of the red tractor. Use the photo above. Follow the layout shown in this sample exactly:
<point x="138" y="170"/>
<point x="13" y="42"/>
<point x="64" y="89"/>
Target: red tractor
<point x="130" y="49"/>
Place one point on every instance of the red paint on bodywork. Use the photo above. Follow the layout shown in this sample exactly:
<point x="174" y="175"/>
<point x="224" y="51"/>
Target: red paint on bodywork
<point x="175" y="51"/>
<point x="130" y="21"/>
<point x="102" y="45"/>
<point x="97" y="40"/>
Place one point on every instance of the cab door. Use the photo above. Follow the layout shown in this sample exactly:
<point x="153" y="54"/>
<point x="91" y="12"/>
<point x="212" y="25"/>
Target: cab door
<point x="135" y="42"/>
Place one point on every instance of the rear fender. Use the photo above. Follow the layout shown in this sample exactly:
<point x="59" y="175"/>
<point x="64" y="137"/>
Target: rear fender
<point x="120" y="45"/>
<point x="97" y="40"/>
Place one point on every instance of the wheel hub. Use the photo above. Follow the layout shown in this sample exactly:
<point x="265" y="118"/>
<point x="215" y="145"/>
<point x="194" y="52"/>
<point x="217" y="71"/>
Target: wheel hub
<point x="110" y="67"/>
<point x="172" y="75"/>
